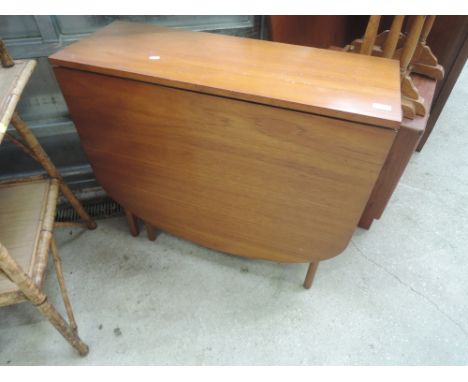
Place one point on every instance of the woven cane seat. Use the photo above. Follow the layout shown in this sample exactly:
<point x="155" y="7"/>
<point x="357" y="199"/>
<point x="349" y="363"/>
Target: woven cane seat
<point x="23" y="206"/>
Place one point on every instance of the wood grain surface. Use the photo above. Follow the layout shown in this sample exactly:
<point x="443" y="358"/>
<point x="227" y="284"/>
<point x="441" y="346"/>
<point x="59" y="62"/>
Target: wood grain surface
<point x="352" y="87"/>
<point x="240" y="177"/>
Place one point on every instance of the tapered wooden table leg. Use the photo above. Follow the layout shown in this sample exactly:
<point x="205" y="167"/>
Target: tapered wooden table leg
<point x="150" y="231"/>
<point x="310" y="274"/>
<point x="132" y="223"/>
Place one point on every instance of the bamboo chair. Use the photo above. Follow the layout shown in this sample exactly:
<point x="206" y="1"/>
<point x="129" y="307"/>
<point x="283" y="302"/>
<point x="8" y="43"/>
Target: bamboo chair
<point x="27" y="210"/>
<point x="13" y="78"/>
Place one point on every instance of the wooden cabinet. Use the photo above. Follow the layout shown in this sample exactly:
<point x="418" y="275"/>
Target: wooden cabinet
<point x="250" y="147"/>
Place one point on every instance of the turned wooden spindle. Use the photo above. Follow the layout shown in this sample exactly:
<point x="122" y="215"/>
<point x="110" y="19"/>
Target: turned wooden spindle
<point x="427" y="28"/>
<point x="411" y="42"/>
<point x="370" y="35"/>
<point x="412" y="102"/>
<point x="429" y="22"/>
<point x="393" y="37"/>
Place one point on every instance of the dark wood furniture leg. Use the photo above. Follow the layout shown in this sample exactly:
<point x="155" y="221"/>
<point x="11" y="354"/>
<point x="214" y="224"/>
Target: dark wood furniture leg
<point x="150" y="231"/>
<point x="310" y="274"/>
<point x="132" y="223"/>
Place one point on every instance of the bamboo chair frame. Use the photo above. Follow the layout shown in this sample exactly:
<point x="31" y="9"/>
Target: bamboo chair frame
<point x="29" y="284"/>
<point x="27" y="142"/>
<point x="31" y="146"/>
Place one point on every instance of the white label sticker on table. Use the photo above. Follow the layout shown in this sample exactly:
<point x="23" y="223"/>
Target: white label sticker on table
<point x="382" y="106"/>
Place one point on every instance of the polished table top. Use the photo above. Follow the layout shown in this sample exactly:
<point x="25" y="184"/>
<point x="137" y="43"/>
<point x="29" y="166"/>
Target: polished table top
<point x="336" y="84"/>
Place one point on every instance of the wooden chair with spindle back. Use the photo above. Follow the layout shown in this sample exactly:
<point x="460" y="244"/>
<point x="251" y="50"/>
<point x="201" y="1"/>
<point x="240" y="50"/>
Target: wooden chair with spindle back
<point x="409" y="48"/>
<point x="27" y="213"/>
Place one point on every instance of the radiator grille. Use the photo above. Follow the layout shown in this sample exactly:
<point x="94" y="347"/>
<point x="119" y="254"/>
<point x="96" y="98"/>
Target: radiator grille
<point x="100" y="208"/>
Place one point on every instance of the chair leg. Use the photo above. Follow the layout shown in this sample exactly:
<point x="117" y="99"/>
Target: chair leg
<point x="132" y="223"/>
<point x="310" y="274"/>
<point x="38" y="298"/>
<point x="48" y="310"/>
<point x="150" y="231"/>
<point x="63" y="288"/>
<point x="41" y="156"/>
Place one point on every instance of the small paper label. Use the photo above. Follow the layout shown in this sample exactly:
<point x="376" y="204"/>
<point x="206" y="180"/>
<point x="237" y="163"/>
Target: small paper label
<point x="382" y="106"/>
